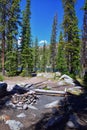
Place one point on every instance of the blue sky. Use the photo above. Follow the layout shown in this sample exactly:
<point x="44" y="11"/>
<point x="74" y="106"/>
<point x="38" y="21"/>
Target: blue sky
<point x="42" y="13"/>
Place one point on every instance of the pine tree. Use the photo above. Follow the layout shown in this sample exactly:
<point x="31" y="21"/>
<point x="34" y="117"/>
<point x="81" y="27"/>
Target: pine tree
<point x="71" y="32"/>
<point x="13" y="23"/>
<point x="36" y="54"/>
<point x="53" y="44"/>
<point x="3" y="12"/>
<point x="44" y="58"/>
<point x="61" y="60"/>
<point x="27" y="56"/>
<point x="9" y="13"/>
<point x="12" y="31"/>
<point x="84" y="43"/>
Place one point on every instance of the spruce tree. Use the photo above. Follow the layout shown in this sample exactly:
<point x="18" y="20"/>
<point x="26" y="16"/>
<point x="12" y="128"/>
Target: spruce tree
<point x="71" y="33"/>
<point x="36" y="55"/>
<point x="12" y="31"/>
<point x="61" y="60"/>
<point x="26" y="50"/>
<point x="9" y="13"/>
<point x="84" y="43"/>
<point x="44" y="58"/>
<point x="3" y="23"/>
<point x="53" y="44"/>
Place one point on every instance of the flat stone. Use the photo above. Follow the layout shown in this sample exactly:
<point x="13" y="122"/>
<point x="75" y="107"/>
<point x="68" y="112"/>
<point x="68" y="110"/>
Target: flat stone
<point x="32" y="107"/>
<point x="52" y="104"/>
<point x="14" y="125"/>
<point x="21" y="115"/>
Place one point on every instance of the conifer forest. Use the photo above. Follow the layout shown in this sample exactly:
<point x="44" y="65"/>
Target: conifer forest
<point x="66" y="53"/>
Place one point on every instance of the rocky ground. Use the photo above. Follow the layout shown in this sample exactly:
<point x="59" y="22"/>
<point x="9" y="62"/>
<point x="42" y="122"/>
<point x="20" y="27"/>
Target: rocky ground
<point x="49" y="112"/>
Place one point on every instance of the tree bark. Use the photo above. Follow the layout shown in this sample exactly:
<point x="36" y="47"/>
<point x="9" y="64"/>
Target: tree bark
<point x="3" y="53"/>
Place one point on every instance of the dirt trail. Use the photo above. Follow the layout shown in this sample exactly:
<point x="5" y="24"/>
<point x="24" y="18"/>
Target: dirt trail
<point x="11" y="81"/>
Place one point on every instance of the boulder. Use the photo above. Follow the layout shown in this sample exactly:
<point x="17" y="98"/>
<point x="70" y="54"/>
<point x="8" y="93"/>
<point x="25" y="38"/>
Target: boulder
<point x="75" y="90"/>
<point x="3" y="89"/>
<point x="18" y="89"/>
<point x="46" y="75"/>
<point x="39" y="74"/>
<point x="65" y="80"/>
<point x="58" y="74"/>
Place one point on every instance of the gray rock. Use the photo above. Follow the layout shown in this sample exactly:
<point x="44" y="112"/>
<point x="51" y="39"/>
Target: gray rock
<point x="21" y="115"/>
<point x="25" y="106"/>
<point x="9" y="103"/>
<point x="58" y="74"/>
<point x="14" y="125"/>
<point x="65" y="80"/>
<point x="70" y="124"/>
<point x="73" y="122"/>
<point x="52" y="104"/>
<point x="32" y="107"/>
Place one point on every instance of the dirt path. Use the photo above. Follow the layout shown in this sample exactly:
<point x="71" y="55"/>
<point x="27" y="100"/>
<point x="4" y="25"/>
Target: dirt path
<point x="12" y="81"/>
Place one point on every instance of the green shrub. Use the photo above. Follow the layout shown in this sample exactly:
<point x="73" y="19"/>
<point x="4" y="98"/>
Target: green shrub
<point x="1" y="78"/>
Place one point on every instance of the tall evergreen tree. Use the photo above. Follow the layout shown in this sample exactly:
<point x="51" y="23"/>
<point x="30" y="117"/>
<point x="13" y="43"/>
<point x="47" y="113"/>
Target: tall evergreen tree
<point x="27" y="56"/>
<point x="3" y="12"/>
<point x="71" y="32"/>
<point x="53" y="44"/>
<point x="44" y="58"/>
<point x="9" y="13"/>
<point x="61" y="60"/>
<point x="36" y="54"/>
<point x="12" y="31"/>
<point x="84" y="43"/>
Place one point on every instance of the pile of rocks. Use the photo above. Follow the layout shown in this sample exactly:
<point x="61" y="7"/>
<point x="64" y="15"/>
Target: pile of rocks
<point x="19" y="97"/>
<point x="21" y="101"/>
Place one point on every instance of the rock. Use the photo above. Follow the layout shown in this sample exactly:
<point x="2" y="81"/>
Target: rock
<point x="3" y="86"/>
<point x="9" y="103"/>
<point x="58" y="74"/>
<point x="65" y="80"/>
<point x="32" y="107"/>
<point x="4" y="117"/>
<point x="46" y="75"/>
<point x="3" y="89"/>
<point x="21" y="115"/>
<point x="40" y="75"/>
<point x="72" y="123"/>
<point x="49" y="75"/>
<point x="28" y="86"/>
<point x="75" y="90"/>
<point x="33" y="74"/>
<point x="55" y="120"/>
<point x="18" y="89"/>
<point x="14" y="125"/>
<point x="52" y="104"/>
<point x="25" y="106"/>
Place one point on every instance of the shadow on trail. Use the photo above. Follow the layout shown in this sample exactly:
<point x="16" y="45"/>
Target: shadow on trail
<point x="71" y="115"/>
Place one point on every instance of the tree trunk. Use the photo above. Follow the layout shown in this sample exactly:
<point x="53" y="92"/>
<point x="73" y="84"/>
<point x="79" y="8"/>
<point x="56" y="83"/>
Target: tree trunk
<point x="3" y="53"/>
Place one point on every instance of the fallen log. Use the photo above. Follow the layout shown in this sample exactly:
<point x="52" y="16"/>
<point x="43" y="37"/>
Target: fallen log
<point x="49" y="92"/>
